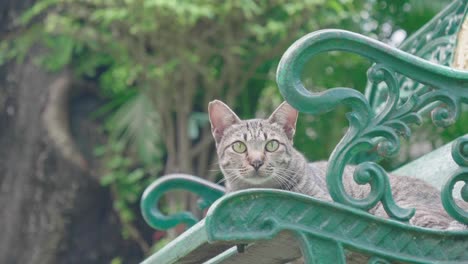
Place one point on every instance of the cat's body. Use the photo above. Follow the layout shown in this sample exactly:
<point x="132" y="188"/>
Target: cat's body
<point x="259" y="153"/>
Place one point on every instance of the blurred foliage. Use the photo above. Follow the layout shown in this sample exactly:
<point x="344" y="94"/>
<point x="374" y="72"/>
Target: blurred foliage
<point x="159" y="63"/>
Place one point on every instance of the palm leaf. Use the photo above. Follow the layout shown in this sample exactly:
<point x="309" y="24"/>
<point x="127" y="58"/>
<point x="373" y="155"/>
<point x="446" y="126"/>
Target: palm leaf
<point x="137" y="123"/>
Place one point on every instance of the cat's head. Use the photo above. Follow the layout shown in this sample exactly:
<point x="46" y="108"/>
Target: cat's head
<point x="255" y="152"/>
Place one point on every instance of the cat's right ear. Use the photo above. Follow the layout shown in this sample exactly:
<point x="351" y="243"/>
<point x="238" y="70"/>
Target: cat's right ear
<point x="221" y="117"/>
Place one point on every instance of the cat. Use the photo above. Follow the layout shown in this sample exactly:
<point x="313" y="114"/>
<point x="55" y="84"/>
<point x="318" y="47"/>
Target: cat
<point x="259" y="153"/>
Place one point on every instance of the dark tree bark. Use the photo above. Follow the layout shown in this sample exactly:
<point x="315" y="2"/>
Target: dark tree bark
<point x="53" y="209"/>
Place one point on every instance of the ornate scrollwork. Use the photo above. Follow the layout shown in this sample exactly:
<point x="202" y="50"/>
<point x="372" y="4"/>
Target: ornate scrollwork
<point x="207" y="191"/>
<point x="327" y="230"/>
<point x="369" y="130"/>
<point x="460" y="156"/>
<point x="434" y="42"/>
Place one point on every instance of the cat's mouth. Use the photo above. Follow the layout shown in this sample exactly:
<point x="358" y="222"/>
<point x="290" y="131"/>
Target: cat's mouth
<point x="256" y="177"/>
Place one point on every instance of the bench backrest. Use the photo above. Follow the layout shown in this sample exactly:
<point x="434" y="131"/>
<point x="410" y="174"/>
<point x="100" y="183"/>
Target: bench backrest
<point x="407" y="89"/>
<point x="442" y="41"/>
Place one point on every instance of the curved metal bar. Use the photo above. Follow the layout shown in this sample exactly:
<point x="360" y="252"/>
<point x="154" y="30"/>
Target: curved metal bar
<point x="292" y="63"/>
<point x="208" y="191"/>
<point x="368" y="130"/>
<point x="460" y="156"/>
<point x="256" y="214"/>
<point x="460" y="151"/>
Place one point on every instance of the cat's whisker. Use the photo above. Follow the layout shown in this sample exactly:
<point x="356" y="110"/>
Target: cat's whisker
<point x="277" y="181"/>
<point x="221" y="181"/>
<point x="286" y="180"/>
<point x="235" y="180"/>
<point x="287" y="184"/>
<point x="287" y="176"/>
<point x="280" y="179"/>
<point x="285" y="169"/>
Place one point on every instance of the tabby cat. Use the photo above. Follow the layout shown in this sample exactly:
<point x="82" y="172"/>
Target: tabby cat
<point x="259" y="153"/>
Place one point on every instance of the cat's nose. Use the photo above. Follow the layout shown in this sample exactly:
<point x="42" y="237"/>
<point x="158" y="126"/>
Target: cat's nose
<point x="257" y="163"/>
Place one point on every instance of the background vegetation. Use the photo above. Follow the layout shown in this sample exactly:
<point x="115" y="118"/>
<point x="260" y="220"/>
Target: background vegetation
<point x="152" y="66"/>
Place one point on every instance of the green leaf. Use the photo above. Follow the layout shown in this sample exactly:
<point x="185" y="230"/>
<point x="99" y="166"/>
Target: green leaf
<point x="136" y="175"/>
<point x="127" y="215"/>
<point x="108" y="179"/>
<point x="109" y="15"/>
<point x="115" y="162"/>
<point x="100" y="150"/>
<point x="60" y="55"/>
<point x="136" y="123"/>
<point x="36" y="9"/>
<point x="117" y="260"/>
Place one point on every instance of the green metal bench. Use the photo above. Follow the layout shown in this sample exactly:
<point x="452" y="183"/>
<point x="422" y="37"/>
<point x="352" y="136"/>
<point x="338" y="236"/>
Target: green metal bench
<point x="423" y="77"/>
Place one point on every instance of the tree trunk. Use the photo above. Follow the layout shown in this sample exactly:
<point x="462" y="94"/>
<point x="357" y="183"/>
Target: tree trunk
<point x="52" y="209"/>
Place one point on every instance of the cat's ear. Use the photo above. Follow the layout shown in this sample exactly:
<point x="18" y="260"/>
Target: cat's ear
<point x="286" y="116"/>
<point x="221" y="117"/>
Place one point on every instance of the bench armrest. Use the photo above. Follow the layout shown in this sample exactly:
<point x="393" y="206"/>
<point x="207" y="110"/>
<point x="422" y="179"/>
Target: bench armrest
<point x="325" y="229"/>
<point x="207" y="191"/>
<point x="371" y="131"/>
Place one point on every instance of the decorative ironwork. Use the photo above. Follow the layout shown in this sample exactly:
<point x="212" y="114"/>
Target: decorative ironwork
<point x="404" y="87"/>
<point x="326" y="229"/>
<point x="367" y="129"/>
<point x="208" y="191"/>
<point x="460" y="156"/>
<point x="435" y="42"/>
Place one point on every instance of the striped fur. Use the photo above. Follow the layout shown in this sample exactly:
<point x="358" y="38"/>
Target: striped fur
<point x="287" y="169"/>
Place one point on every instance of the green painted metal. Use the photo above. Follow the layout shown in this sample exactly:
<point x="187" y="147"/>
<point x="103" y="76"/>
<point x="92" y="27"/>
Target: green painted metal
<point x="369" y="130"/>
<point x="325" y="229"/>
<point x="460" y="156"/>
<point x="223" y="256"/>
<point x="196" y="239"/>
<point x="404" y="86"/>
<point x="208" y="191"/>
<point x="434" y="42"/>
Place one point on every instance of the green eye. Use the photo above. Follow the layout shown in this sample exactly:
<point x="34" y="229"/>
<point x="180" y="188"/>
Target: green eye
<point x="272" y="145"/>
<point x="239" y="147"/>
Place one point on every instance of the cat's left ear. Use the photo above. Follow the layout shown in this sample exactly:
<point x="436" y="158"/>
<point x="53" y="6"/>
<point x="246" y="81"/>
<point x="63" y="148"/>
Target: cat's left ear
<point x="285" y="116"/>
